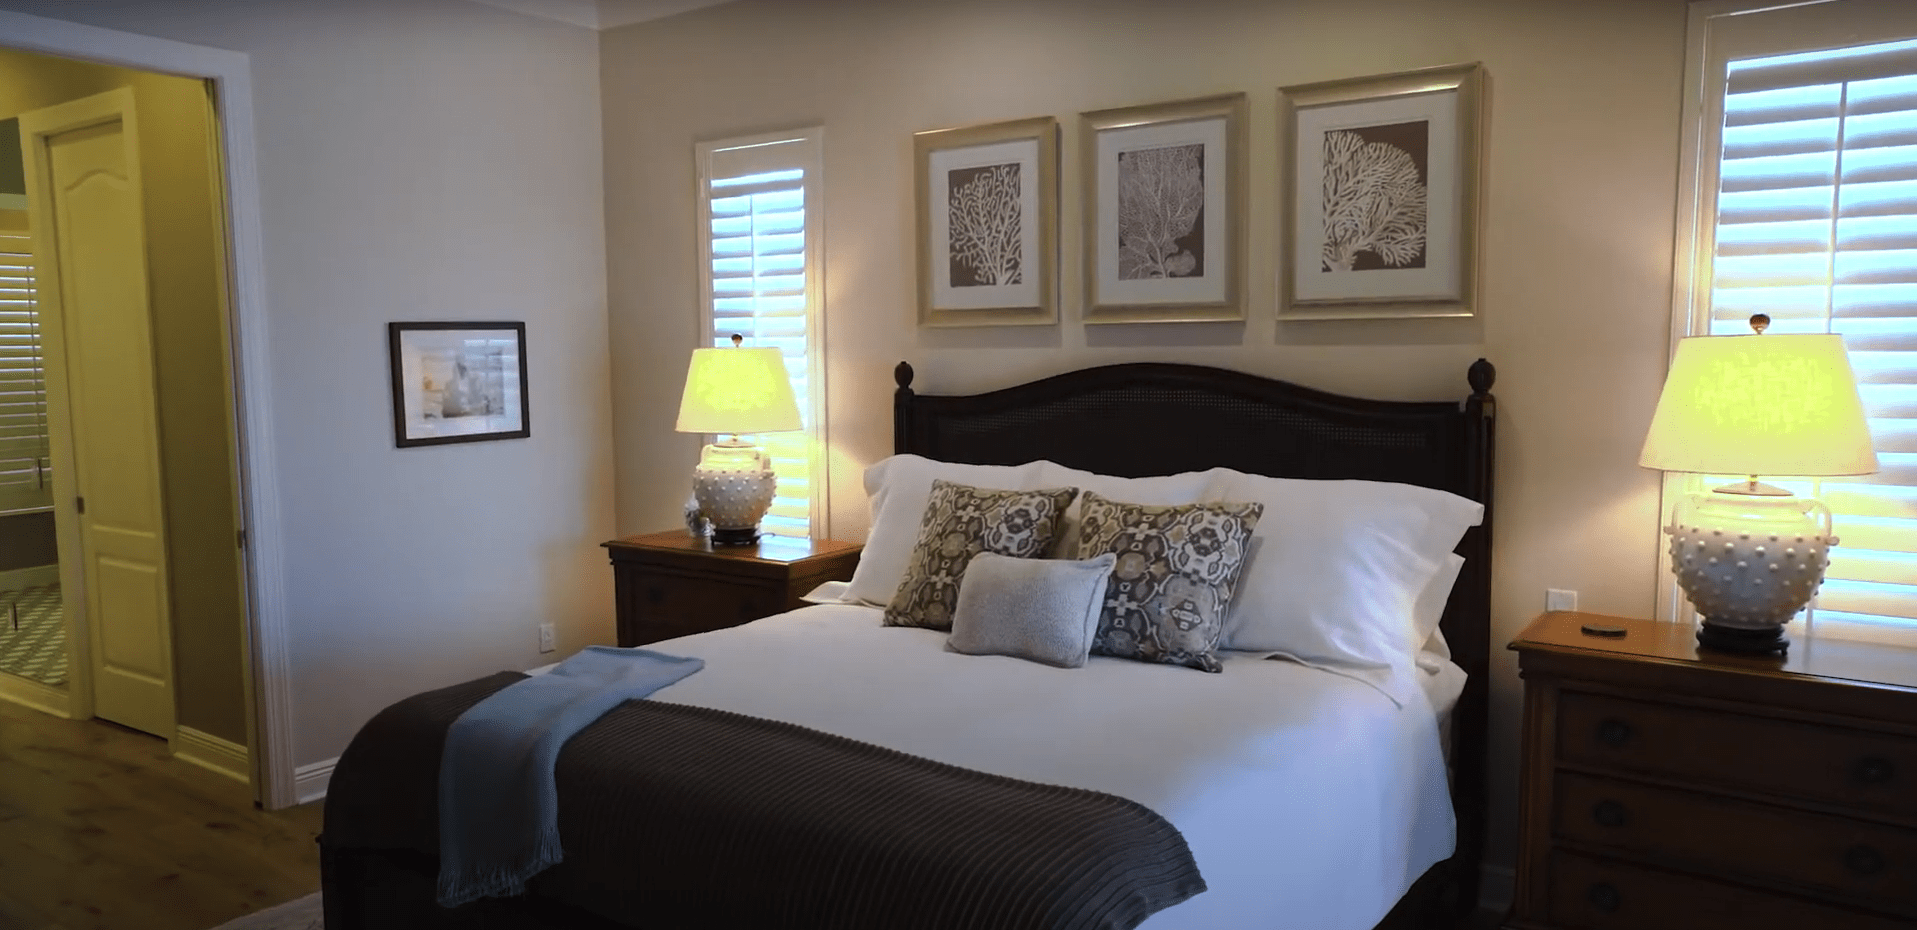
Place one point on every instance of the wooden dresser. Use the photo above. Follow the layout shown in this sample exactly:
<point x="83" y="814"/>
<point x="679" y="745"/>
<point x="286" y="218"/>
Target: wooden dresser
<point x="1662" y="788"/>
<point x="672" y="584"/>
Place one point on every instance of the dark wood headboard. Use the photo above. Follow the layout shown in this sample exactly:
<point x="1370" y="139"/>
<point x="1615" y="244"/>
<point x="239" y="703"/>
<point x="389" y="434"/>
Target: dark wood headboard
<point x="1152" y="418"/>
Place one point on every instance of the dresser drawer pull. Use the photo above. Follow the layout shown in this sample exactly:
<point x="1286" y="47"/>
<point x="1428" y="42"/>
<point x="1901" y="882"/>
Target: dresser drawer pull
<point x="1605" y="897"/>
<point x="1874" y="770"/>
<point x="1609" y="813"/>
<point x="1613" y="732"/>
<point x="1863" y="860"/>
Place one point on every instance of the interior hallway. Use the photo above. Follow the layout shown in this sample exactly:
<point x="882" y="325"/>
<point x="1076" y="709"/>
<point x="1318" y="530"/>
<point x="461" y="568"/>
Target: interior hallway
<point x="100" y="828"/>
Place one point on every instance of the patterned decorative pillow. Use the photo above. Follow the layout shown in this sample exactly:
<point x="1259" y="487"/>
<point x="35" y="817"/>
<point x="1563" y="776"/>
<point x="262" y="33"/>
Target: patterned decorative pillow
<point x="1177" y="571"/>
<point x="962" y="521"/>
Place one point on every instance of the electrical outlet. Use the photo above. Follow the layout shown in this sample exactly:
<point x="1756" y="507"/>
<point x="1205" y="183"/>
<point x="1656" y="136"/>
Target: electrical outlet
<point x="1557" y="599"/>
<point x="545" y="637"/>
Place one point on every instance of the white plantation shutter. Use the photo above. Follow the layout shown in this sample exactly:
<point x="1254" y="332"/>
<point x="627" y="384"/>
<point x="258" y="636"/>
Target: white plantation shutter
<point x="760" y="210"/>
<point x="25" y="483"/>
<point x="1816" y="225"/>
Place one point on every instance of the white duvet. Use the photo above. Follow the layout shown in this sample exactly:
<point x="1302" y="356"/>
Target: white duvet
<point x="1308" y="799"/>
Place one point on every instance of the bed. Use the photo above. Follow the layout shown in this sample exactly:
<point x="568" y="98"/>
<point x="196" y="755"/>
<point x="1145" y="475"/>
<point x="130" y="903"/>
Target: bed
<point x="1370" y="824"/>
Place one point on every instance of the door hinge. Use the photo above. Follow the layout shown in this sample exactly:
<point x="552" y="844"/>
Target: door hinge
<point x="80" y="504"/>
<point x="242" y="537"/>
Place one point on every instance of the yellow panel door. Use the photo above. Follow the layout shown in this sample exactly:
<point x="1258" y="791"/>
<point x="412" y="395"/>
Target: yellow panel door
<point x="84" y="192"/>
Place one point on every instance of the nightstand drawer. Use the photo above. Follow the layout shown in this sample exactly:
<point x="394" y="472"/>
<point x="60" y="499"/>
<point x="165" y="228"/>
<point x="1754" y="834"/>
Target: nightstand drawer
<point x="1867" y="771"/>
<point x="1597" y="894"/>
<point x="678" y="605"/>
<point x="1870" y="863"/>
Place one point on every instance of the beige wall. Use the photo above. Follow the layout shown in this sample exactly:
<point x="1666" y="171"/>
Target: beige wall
<point x="1580" y="176"/>
<point x="418" y="160"/>
<point x="190" y="373"/>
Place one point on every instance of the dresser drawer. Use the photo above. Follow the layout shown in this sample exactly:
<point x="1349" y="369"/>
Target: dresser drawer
<point x="1597" y="894"/>
<point x="677" y="605"/>
<point x="1867" y="862"/>
<point x="1873" y="772"/>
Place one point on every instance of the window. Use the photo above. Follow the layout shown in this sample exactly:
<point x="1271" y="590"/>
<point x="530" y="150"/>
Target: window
<point x="25" y="483"/>
<point x="760" y="242"/>
<point x="1807" y="211"/>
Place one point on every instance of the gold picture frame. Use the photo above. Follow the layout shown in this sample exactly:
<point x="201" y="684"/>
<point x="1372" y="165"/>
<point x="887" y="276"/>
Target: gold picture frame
<point x="1381" y="195"/>
<point x="1165" y="211"/>
<point x="988" y="224"/>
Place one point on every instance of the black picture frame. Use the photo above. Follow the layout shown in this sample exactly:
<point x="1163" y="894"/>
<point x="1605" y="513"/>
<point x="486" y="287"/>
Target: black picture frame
<point x="458" y="382"/>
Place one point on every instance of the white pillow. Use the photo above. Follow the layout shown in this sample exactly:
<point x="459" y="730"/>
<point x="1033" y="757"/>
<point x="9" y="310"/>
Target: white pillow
<point x="1158" y="490"/>
<point x="1339" y="568"/>
<point x="1429" y="612"/>
<point x="899" y="487"/>
<point x="1041" y="610"/>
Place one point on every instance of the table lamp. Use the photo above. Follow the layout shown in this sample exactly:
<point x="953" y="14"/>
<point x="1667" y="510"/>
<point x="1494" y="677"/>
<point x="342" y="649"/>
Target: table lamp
<point x="1749" y="555"/>
<point x="736" y="390"/>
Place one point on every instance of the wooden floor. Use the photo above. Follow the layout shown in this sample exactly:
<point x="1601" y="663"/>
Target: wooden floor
<point x="100" y="828"/>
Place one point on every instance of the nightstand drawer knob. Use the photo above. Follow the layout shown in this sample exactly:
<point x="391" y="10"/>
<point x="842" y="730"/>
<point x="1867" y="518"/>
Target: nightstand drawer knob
<point x="1605" y="897"/>
<point x="1863" y="860"/>
<point x="1874" y="770"/>
<point x="1614" y="733"/>
<point x="1609" y="813"/>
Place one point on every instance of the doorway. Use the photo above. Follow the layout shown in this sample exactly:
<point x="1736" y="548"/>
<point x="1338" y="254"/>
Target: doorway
<point x="184" y="678"/>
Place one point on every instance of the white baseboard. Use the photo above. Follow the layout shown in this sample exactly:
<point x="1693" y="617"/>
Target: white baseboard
<point x="1497" y="885"/>
<point x="310" y="780"/>
<point x="35" y="695"/>
<point x="22" y="578"/>
<point x="212" y="753"/>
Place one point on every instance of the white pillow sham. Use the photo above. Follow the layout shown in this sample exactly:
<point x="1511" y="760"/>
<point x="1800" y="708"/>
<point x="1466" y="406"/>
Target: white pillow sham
<point x="1338" y="571"/>
<point x="899" y="488"/>
<point x="1156" y="491"/>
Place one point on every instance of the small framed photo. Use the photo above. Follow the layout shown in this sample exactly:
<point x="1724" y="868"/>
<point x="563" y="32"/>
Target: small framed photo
<point x="458" y="382"/>
<point x="1381" y="196"/>
<point x="1165" y="211"/>
<point x="988" y="224"/>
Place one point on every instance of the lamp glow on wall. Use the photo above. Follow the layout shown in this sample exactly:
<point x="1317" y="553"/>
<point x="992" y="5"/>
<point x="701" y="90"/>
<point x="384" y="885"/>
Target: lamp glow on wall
<point x="1749" y="555"/>
<point x="736" y="390"/>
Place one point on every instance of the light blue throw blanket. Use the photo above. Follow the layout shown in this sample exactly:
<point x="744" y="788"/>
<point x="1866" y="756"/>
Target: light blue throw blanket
<point x="498" y="805"/>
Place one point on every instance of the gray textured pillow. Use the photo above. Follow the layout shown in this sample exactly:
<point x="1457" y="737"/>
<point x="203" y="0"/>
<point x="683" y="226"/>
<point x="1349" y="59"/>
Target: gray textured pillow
<point x="962" y="521"/>
<point x="1044" y="610"/>
<point x="1177" y="572"/>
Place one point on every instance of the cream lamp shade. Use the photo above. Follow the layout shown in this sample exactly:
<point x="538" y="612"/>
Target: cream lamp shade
<point x="736" y="391"/>
<point x="1760" y="405"/>
<point x="1750" y="555"/>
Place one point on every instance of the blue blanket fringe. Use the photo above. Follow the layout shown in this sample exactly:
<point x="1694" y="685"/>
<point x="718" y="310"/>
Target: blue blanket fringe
<point x="498" y="806"/>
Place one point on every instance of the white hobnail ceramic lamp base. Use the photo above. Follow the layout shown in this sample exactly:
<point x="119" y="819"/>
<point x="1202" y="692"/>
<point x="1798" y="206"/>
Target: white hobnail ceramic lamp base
<point x="1749" y="557"/>
<point x="733" y="486"/>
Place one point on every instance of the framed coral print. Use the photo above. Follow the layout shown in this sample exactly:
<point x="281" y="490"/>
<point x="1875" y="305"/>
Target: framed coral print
<point x="1165" y="211"/>
<point x="1381" y="195"/>
<point x="458" y="382"/>
<point x="988" y="224"/>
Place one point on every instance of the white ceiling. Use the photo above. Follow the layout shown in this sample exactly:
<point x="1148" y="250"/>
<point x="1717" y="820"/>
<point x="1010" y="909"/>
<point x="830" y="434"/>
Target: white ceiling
<point x="601" y="14"/>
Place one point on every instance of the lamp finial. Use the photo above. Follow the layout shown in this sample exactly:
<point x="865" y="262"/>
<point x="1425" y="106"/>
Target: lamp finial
<point x="1759" y="323"/>
<point x="738" y="340"/>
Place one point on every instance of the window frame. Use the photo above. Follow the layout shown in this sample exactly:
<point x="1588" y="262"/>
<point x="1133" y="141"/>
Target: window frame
<point x="1718" y="31"/>
<point x="807" y="153"/>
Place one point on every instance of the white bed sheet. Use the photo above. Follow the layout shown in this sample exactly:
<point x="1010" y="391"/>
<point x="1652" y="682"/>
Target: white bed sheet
<point x="1307" y="798"/>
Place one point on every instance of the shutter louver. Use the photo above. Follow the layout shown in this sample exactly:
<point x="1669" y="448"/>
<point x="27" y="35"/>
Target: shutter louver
<point x="757" y="214"/>
<point x="24" y="480"/>
<point x="1817" y="227"/>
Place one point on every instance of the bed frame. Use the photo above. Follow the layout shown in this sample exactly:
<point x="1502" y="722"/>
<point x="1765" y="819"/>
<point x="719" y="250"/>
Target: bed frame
<point x="1151" y="418"/>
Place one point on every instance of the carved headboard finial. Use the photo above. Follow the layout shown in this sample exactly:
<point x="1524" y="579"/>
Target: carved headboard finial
<point x="1482" y="375"/>
<point x="903" y="375"/>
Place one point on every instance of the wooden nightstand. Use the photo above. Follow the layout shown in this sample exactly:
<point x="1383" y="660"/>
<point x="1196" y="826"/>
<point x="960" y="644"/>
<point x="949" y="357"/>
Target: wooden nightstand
<point x="671" y="584"/>
<point x="1663" y="788"/>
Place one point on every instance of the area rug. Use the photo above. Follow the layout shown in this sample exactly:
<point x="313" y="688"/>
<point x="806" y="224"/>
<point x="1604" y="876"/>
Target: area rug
<point x="303" y="914"/>
<point x="37" y="647"/>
